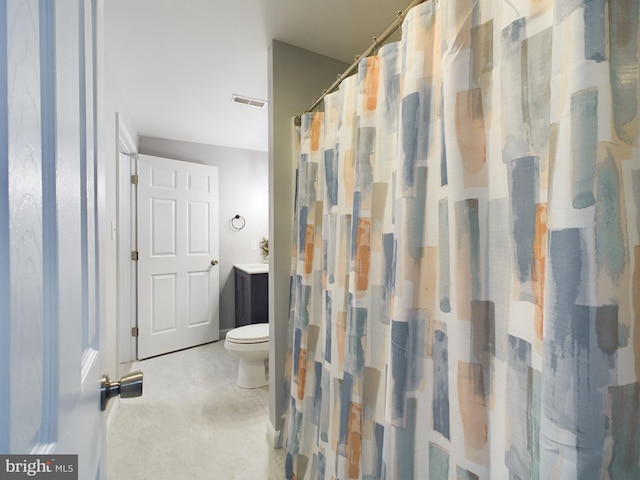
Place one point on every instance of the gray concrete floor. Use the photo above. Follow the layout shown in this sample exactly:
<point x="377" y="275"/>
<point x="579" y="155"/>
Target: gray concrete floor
<point x="192" y="422"/>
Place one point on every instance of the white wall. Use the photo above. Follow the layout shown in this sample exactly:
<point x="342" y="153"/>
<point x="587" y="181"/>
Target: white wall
<point x="243" y="185"/>
<point x="296" y="78"/>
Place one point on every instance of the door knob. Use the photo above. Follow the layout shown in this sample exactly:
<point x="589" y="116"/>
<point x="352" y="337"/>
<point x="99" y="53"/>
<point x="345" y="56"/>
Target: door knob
<point x="129" y="386"/>
<point x="214" y="262"/>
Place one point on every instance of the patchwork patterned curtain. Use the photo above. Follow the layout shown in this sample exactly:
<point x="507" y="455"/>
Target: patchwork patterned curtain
<point x="465" y="297"/>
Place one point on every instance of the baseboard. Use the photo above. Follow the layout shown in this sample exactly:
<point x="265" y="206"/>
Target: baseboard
<point x="274" y="436"/>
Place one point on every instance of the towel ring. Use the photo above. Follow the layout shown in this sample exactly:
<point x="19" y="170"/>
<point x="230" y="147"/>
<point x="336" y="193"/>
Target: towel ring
<point x="238" y="222"/>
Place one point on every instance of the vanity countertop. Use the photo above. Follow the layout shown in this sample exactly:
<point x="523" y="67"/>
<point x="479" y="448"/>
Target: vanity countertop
<point x="253" y="267"/>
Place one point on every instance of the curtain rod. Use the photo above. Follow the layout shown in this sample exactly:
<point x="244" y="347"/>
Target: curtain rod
<point x="377" y="42"/>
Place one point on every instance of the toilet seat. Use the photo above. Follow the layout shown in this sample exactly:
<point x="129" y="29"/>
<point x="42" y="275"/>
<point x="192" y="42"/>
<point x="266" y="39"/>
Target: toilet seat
<point x="249" y="334"/>
<point x="250" y="345"/>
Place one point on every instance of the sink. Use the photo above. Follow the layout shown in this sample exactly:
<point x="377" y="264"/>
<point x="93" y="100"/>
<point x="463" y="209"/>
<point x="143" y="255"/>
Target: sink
<point x="253" y="267"/>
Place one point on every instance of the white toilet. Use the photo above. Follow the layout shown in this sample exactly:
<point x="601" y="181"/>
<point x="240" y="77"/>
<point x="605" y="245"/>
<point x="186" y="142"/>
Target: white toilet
<point x="250" y="345"/>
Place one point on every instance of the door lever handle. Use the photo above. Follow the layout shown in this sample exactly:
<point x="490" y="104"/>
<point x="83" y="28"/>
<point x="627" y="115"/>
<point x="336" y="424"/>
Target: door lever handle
<point x="128" y="386"/>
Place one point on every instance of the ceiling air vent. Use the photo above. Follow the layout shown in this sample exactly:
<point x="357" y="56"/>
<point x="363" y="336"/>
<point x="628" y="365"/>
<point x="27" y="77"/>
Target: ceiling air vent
<point x="248" y="101"/>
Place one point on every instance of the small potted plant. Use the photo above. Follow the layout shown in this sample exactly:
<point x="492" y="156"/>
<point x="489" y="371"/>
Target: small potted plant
<point x="264" y="249"/>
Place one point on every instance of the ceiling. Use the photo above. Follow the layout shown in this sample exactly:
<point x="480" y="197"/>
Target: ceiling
<point x="176" y="63"/>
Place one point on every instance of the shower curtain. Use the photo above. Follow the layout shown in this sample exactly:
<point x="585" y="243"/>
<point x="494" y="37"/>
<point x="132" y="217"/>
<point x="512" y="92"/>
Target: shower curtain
<point x="465" y="290"/>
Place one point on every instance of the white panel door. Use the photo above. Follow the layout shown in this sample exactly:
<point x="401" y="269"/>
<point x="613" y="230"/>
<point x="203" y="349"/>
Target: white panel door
<point x="178" y="285"/>
<point x="50" y="332"/>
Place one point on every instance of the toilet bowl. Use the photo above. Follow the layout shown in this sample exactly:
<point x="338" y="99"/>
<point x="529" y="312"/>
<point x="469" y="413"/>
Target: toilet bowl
<point x="250" y="345"/>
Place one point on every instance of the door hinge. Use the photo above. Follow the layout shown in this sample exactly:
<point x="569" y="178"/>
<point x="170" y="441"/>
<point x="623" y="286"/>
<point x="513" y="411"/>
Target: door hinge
<point x="134" y="179"/>
<point x="134" y="332"/>
<point x="134" y="256"/>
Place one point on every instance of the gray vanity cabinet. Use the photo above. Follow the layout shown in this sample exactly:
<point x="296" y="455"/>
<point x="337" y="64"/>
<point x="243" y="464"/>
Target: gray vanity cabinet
<point x="252" y="297"/>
